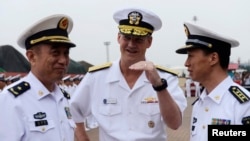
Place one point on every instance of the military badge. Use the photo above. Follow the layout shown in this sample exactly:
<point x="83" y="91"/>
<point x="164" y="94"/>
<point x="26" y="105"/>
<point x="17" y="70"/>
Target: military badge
<point x="216" y="121"/>
<point x="41" y="123"/>
<point x="134" y="18"/>
<point x="63" y="23"/>
<point x="39" y="115"/>
<point x="67" y="111"/>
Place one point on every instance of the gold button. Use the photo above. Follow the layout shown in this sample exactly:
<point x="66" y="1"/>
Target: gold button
<point x="217" y="97"/>
<point x="43" y="129"/>
<point x="151" y="124"/>
<point x="40" y="93"/>
<point x="206" y="109"/>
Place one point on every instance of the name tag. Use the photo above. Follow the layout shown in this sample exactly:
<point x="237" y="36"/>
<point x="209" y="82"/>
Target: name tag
<point x="41" y="122"/>
<point x="109" y="101"/>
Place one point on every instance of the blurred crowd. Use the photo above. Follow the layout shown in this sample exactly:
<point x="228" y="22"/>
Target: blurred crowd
<point x="193" y="88"/>
<point x="241" y="78"/>
<point x="7" y="80"/>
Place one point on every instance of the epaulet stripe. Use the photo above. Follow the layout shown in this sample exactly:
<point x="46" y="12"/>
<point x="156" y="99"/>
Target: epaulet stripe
<point x="19" y="88"/>
<point x="100" y="67"/>
<point x="239" y="94"/>
<point x="166" y="70"/>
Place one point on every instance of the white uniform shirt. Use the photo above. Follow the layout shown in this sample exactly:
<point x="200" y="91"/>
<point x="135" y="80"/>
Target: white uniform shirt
<point x="36" y="114"/>
<point x="217" y="108"/>
<point x="187" y="87"/>
<point x="122" y="113"/>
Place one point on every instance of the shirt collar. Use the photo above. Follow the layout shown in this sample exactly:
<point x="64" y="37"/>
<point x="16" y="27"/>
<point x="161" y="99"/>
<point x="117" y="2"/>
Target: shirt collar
<point x="219" y="91"/>
<point x="40" y="90"/>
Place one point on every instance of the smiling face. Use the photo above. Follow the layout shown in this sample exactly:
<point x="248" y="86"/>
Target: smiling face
<point x="133" y="48"/>
<point x="49" y="62"/>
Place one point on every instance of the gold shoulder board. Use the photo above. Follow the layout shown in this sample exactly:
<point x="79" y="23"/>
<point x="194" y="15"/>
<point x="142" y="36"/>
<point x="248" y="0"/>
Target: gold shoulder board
<point x="161" y="68"/>
<point x="19" y="88"/>
<point x="100" y="67"/>
<point x="239" y="94"/>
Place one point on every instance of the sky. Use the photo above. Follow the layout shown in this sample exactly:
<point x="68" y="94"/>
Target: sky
<point x="94" y="25"/>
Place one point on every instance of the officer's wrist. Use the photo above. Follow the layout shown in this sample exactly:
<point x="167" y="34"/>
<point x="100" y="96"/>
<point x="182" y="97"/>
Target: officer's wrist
<point x="161" y="86"/>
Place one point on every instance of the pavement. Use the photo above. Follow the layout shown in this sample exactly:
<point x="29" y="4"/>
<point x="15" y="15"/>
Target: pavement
<point x="181" y="134"/>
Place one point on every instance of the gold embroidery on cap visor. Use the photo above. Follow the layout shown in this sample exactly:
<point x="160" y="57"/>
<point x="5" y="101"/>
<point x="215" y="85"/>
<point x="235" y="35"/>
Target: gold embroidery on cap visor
<point x="138" y="31"/>
<point x="51" y="38"/>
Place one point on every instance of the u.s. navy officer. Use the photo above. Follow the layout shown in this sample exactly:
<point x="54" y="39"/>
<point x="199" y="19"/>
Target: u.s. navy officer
<point x="34" y="108"/>
<point x="132" y="99"/>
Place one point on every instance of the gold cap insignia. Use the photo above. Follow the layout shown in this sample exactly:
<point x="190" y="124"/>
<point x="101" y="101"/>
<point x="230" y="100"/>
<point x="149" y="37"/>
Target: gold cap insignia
<point x="63" y="23"/>
<point x="186" y="30"/>
<point x="134" y="18"/>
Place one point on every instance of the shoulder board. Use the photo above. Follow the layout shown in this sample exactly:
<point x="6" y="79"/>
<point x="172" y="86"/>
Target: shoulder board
<point x="161" y="68"/>
<point x="246" y="120"/>
<point x="66" y="94"/>
<point x="239" y="94"/>
<point x="100" y="67"/>
<point x="19" y="88"/>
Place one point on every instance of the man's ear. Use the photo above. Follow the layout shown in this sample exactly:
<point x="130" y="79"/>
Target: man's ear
<point x="31" y="56"/>
<point x="118" y="37"/>
<point x="214" y="58"/>
<point x="150" y="39"/>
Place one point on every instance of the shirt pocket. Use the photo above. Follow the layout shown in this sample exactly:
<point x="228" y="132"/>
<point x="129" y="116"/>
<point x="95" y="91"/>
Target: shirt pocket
<point x="109" y="117"/>
<point x="150" y="118"/>
<point x="110" y="110"/>
<point x="41" y="126"/>
<point x="149" y="109"/>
